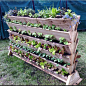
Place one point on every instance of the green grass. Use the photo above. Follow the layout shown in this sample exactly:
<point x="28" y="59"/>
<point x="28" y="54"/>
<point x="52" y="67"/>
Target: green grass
<point x="14" y="71"/>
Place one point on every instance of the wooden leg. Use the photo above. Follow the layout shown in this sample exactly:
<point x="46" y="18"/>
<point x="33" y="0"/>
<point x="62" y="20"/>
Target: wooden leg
<point x="73" y="79"/>
<point x="9" y="53"/>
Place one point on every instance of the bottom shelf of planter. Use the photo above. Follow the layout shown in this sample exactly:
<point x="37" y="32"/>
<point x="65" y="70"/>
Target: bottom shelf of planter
<point x="72" y="79"/>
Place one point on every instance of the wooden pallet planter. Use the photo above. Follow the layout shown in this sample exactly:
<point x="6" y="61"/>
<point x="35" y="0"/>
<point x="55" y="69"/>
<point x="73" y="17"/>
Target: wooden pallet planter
<point x="71" y="36"/>
<point x="70" y="80"/>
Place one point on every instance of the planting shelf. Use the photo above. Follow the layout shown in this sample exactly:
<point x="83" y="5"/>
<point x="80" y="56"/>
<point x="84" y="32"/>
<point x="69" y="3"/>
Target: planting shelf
<point x="67" y="53"/>
<point x="69" y="80"/>
<point x="49" y="21"/>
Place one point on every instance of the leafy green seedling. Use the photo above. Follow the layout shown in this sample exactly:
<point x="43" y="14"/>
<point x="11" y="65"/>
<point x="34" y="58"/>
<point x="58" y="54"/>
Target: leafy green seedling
<point x="38" y="45"/>
<point x="34" y="34"/>
<point x="57" y="28"/>
<point x="39" y="34"/>
<point x="53" y="27"/>
<point x="28" y="24"/>
<point x="24" y="23"/>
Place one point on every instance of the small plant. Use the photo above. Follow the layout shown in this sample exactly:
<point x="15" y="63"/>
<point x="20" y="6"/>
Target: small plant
<point x="38" y="45"/>
<point x="35" y="25"/>
<point x="19" y="31"/>
<point x="29" y="33"/>
<point x="52" y="50"/>
<point x="30" y="15"/>
<point x="28" y="24"/>
<point x="24" y="32"/>
<point x="57" y="28"/>
<point x="45" y="46"/>
<point x="39" y="34"/>
<point x="42" y="64"/>
<point x="34" y="34"/>
<point x="53" y="27"/>
<point x="49" y="37"/>
<point x="33" y="43"/>
<point x="63" y="40"/>
<point x="14" y="28"/>
<point x="24" y="23"/>
<point x="11" y="29"/>
<point x="30" y="57"/>
<point x="64" y="72"/>
<point x="49" y="27"/>
<point x="65" y="30"/>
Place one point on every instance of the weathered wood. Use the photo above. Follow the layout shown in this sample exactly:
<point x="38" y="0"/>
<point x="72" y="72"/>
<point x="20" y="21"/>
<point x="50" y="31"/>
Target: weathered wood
<point x="62" y="23"/>
<point x="66" y="58"/>
<point x="69" y="69"/>
<point x="43" y="41"/>
<point x="49" y="72"/>
<point x="57" y="34"/>
<point x="74" y="78"/>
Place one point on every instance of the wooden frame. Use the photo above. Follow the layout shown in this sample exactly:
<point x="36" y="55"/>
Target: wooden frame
<point x="71" y="36"/>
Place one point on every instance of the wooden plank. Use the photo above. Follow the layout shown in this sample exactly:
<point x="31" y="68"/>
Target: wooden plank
<point x="66" y="58"/>
<point x="57" y="34"/>
<point x="62" y="23"/>
<point x="49" y="72"/>
<point x="59" y="67"/>
<point x="43" y="41"/>
<point x="73" y="78"/>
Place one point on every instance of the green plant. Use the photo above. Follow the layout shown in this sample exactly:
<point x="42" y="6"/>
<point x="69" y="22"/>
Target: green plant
<point x="11" y="29"/>
<point x="52" y="50"/>
<point x="39" y="34"/>
<point x="35" y="25"/>
<point x="38" y="45"/>
<point x="45" y="46"/>
<point x="64" y="72"/>
<point x="29" y="33"/>
<point x="53" y="27"/>
<point x="49" y="27"/>
<point x="33" y="43"/>
<point x="63" y="40"/>
<point x="19" y="31"/>
<point x="30" y="14"/>
<point x="50" y="65"/>
<point x="24" y="32"/>
<point x="24" y="23"/>
<point x="57" y="28"/>
<point x="34" y="34"/>
<point x="30" y="57"/>
<point x="28" y="24"/>
<point x="44" y="55"/>
<point x="65" y="30"/>
<point x="42" y="64"/>
<point x="14" y="28"/>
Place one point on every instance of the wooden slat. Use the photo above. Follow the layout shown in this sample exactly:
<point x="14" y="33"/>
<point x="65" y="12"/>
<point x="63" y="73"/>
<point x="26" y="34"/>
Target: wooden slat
<point x="59" y="67"/>
<point x="66" y="58"/>
<point x="43" y="41"/>
<point x="47" y="71"/>
<point x="62" y="23"/>
<point x="57" y="34"/>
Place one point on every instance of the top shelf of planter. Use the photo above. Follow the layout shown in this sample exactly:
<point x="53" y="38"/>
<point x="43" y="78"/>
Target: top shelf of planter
<point x="67" y="24"/>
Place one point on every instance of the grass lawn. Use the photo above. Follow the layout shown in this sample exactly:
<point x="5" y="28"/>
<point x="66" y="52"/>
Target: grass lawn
<point x="14" y="71"/>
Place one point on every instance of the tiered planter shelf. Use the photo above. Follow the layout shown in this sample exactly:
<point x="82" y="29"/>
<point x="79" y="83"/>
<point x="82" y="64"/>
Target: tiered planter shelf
<point x="71" y="36"/>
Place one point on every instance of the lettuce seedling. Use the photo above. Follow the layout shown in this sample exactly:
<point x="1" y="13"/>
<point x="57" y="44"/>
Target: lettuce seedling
<point x="57" y="28"/>
<point x="39" y="34"/>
